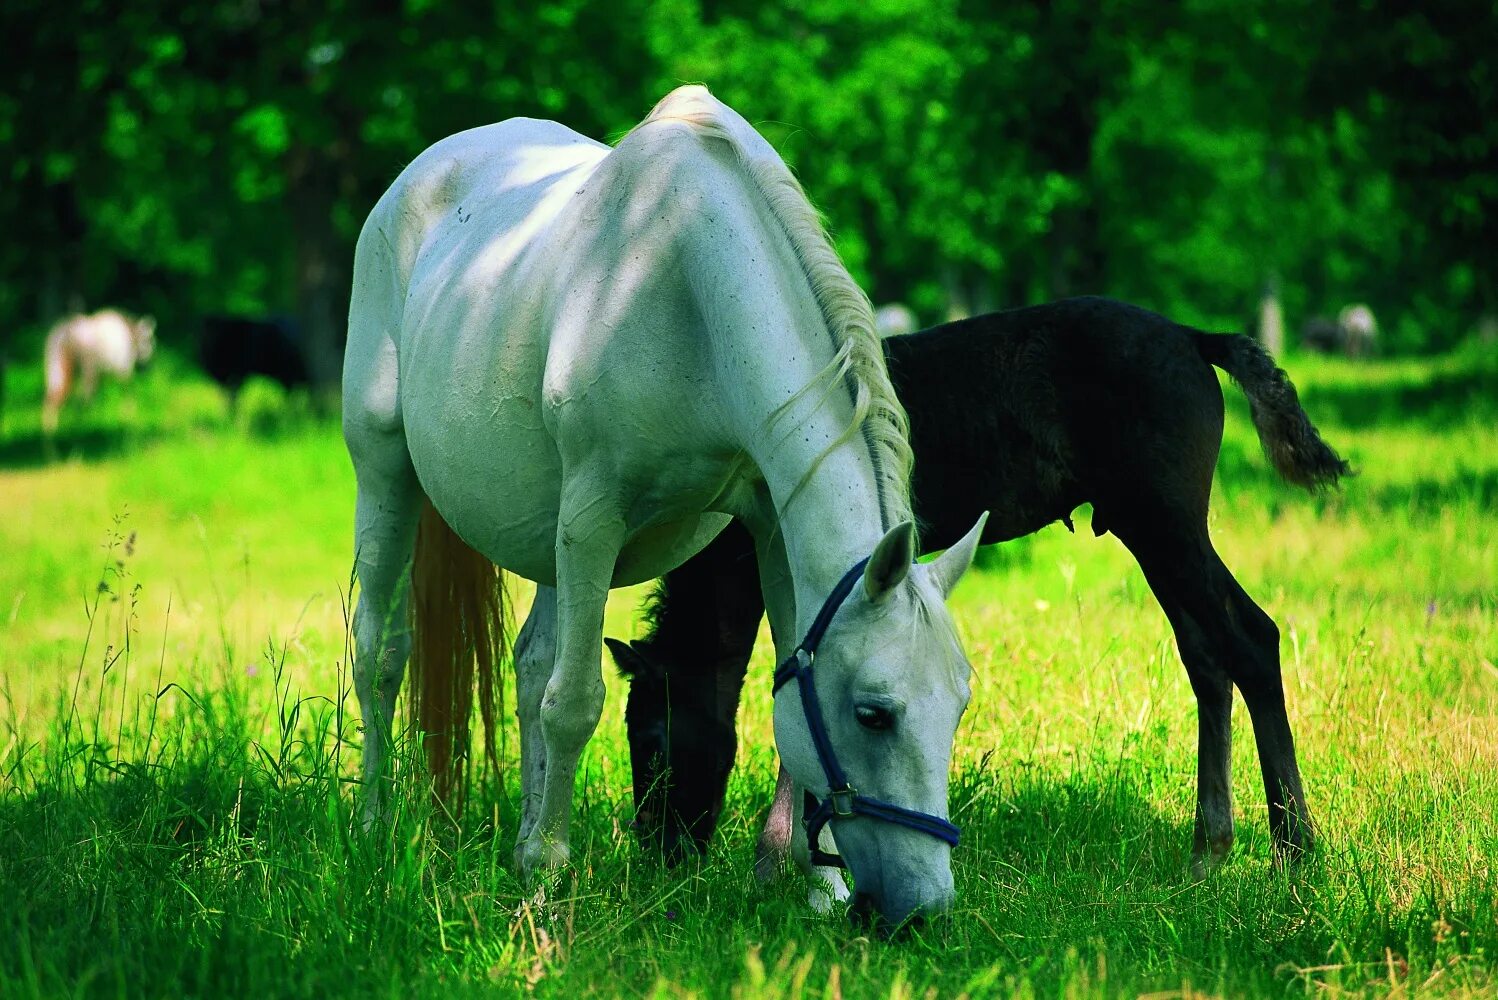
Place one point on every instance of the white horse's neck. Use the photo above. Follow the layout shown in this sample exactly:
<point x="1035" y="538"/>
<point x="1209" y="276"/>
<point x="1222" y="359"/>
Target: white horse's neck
<point x="772" y="342"/>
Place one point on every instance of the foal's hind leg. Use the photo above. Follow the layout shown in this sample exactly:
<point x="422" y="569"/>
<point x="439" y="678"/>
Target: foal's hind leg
<point x="1173" y="568"/>
<point x="1221" y="631"/>
<point x="386" y="511"/>
<point x="1256" y="671"/>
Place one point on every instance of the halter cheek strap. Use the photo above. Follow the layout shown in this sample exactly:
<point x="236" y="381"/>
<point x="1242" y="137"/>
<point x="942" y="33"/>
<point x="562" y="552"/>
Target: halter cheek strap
<point x="843" y="800"/>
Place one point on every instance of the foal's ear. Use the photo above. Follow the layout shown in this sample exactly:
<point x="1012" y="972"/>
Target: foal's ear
<point x="890" y="564"/>
<point x="632" y="664"/>
<point x="947" y="568"/>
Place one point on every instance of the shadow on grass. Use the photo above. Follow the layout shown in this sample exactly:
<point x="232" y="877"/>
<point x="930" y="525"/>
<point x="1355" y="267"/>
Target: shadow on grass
<point x="33" y="450"/>
<point x="1242" y="469"/>
<point x="1439" y="400"/>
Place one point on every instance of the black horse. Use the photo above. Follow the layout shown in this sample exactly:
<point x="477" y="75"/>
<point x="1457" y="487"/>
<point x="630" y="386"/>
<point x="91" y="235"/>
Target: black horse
<point x="1027" y="414"/>
<point x="233" y="348"/>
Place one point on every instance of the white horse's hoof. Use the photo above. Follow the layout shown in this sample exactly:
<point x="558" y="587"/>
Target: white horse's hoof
<point x="826" y="891"/>
<point x="538" y="855"/>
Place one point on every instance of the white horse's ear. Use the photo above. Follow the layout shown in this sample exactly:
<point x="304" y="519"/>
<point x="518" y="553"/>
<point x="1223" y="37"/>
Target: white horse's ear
<point x="947" y="568"/>
<point x="890" y="564"/>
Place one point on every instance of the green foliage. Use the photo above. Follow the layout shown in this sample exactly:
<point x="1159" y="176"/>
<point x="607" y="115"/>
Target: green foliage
<point x="263" y="408"/>
<point x="221" y="157"/>
<point x="178" y="743"/>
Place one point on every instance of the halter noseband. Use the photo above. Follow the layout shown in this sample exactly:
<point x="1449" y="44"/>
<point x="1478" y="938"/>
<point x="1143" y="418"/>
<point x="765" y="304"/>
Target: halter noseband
<point x="843" y="800"/>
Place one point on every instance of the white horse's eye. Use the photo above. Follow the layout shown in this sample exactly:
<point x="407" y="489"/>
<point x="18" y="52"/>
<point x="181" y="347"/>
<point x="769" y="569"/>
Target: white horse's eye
<point x="875" y="717"/>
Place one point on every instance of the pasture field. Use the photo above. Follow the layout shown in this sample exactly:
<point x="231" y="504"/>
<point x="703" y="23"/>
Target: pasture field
<point x="178" y="737"/>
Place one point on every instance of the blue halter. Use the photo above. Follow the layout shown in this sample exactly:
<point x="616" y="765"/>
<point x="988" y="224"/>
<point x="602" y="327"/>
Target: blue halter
<point x="842" y="799"/>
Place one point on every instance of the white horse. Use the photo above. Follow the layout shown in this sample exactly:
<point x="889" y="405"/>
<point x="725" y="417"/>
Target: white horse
<point x="587" y="359"/>
<point x="895" y="319"/>
<point x="105" y="341"/>
<point x="1359" y="330"/>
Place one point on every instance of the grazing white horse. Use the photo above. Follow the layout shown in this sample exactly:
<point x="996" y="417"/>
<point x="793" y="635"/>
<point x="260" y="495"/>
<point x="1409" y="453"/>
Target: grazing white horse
<point x="1359" y="330"/>
<point x="587" y="359"/>
<point x="895" y="319"/>
<point x="105" y="341"/>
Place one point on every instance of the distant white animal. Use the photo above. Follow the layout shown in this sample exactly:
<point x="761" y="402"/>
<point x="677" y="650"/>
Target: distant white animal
<point x="895" y="320"/>
<point x="107" y="340"/>
<point x="1359" y="330"/>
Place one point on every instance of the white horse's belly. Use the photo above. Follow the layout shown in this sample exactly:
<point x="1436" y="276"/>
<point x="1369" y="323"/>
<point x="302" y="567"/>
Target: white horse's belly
<point x="487" y="462"/>
<point x="547" y="350"/>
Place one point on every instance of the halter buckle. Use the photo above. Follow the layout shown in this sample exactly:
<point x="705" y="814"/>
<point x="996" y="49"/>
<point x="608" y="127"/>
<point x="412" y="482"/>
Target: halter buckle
<point x="842" y="800"/>
<point x="804" y="658"/>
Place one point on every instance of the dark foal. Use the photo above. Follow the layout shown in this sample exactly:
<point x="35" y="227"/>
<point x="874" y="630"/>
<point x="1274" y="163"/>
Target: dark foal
<point x="1026" y="414"/>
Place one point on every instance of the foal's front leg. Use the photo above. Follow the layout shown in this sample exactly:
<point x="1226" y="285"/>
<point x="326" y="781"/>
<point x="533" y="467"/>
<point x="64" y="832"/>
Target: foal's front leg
<point x="587" y="548"/>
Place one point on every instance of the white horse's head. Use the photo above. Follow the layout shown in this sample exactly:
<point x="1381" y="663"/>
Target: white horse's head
<point x="891" y="681"/>
<point x="143" y="338"/>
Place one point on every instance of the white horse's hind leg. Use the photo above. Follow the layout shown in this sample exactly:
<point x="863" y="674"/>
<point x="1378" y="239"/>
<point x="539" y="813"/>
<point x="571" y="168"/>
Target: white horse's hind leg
<point x="386" y="512"/>
<point x="535" y="658"/>
<point x="588" y="544"/>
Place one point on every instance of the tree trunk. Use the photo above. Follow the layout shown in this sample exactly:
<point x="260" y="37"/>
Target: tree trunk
<point x="1272" y="319"/>
<point x="323" y="271"/>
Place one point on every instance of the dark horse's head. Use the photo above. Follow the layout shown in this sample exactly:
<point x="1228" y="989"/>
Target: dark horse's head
<point x="681" y="749"/>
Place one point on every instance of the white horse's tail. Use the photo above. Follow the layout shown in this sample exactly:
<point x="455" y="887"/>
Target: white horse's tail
<point x="460" y="638"/>
<point x="57" y="364"/>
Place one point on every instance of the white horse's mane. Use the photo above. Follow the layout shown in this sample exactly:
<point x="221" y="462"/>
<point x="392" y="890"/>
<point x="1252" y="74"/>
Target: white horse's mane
<point x="859" y="358"/>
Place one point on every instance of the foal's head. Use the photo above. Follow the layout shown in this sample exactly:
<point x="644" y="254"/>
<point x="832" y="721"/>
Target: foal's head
<point x="681" y="748"/>
<point x="892" y="683"/>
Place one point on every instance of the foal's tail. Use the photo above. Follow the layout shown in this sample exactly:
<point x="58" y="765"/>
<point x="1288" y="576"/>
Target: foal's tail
<point x="460" y="639"/>
<point x="57" y="365"/>
<point x="1290" y="440"/>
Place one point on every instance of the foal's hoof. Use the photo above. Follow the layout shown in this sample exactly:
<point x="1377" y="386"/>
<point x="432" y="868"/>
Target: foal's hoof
<point x="769" y="863"/>
<point x="536" y="856"/>
<point x="1206" y="859"/>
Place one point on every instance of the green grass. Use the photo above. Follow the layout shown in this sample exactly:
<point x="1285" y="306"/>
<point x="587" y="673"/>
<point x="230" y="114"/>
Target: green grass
<point x="177" y="739"/>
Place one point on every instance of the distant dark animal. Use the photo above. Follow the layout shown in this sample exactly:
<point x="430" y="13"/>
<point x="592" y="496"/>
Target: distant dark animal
<point x="106" y="341"/>
<point x="1354" y="332"/>
<point x="1322" y="335"/>
<point x="236" y="347"/>
<point x="1028" y="414"/>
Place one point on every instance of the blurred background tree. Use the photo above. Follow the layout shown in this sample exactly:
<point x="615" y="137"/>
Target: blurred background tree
<point x="219" y="157"/>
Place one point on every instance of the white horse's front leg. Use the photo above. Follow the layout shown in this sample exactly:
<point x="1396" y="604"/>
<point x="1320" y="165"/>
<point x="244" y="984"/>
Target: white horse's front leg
<point x="535" y="658"/>
<point x="587" y="548"/>
<point x="825" y="886"/>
